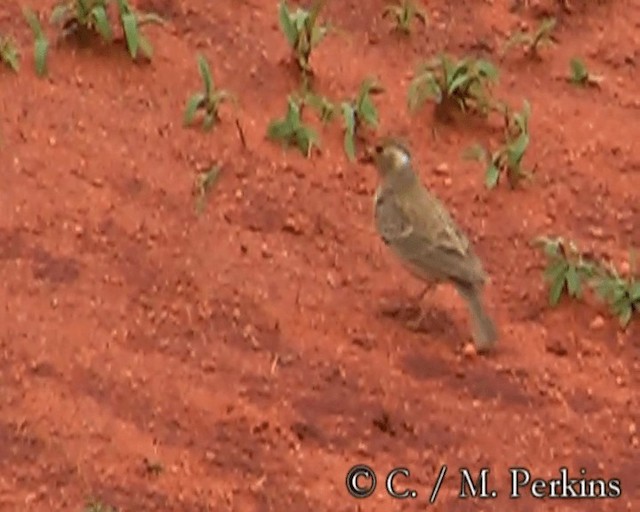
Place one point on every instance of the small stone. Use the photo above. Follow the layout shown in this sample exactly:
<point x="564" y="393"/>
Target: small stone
<point x="597" y="323"/>
<point x="442" y="168"/>
<point x="469" y="350"/>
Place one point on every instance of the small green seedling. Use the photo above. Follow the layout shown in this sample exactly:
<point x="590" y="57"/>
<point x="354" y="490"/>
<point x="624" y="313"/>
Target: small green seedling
<point x="403" y="14"/>
<point x="41" y="44"/>
<point x="83" y="17"/>
<point x="622" y="294"/>
<point x="567" y="269"/>
<point x="463" y="84"/>
<point x="508" y="158"/>
<point x="203" y="185"/>
<point x="291" y="129"/>
<point x="532" y="41"/>
<point x="357" y="112"/>
<point x="131" y="21"/>
<point x="9" y="53"/>
<point x="580" y="74"/>
<point x="97" y="506"/>
<point x="208" y="101"/>
<point x="302" y="31"/>
<point x="322" y="105"/>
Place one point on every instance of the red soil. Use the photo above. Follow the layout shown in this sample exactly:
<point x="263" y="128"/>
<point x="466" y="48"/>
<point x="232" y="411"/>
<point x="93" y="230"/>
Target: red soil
<point x="244" y="350"/>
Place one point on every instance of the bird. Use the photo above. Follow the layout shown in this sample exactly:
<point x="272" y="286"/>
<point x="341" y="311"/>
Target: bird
<point x="416" y="226"/>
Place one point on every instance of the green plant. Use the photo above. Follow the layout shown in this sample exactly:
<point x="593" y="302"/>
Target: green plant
<point x="508" y="158"/>
<point x="325" y="108"/>
<point x="622" y="294"/>
<point x="97" y="506"/>
<point x="292" y="130"/>
<point x="302" y="31"/>
<point x="131" y="21"/>
<point x="567" y="268"/>
<point x="463" y="83"/>
<point x="9" y="53"/>
<point x="358" y="111"/>
<point x="532" y="41"/>
<point x="579" y="74"/>
<point x="203" y="185"/>
<point x="83" y="16"/>
<point x="403" y="14"/>
<point x="41" y="44"/>
<point x="208" y="100"/>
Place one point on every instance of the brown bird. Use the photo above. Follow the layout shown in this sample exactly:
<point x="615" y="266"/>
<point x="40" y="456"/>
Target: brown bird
<point x="419" y="230"/>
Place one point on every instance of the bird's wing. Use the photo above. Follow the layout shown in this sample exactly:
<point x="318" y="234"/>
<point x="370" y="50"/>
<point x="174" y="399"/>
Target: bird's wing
<point x="391" y="221"/>
<point x="424" y="236"/>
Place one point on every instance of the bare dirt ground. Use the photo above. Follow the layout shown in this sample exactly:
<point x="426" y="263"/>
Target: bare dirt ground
<point x="154" y="359"/>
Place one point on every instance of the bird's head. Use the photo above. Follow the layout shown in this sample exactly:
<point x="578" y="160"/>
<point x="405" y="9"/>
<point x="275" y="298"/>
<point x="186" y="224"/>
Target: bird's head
<point x="390" y="157"/>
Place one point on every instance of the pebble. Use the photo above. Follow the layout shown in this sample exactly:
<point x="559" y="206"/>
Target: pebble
<point x="469" y="350"/>
<point x="597" y="323"/>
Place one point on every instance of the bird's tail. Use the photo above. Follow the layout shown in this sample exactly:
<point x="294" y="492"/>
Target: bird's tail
<point x="484" y="330"/>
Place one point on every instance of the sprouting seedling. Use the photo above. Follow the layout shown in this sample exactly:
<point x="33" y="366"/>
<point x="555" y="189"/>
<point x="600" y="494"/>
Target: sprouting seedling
<point x="9" y="53"/>
<point x="622" y="294"/>
<point x="403" y="13"/>
<point x="97" y="506"/>
<point x="131" y="21"/>
<point x="292" y="130"/>
<point x="208" y="100"/>
<point x="325" y="108"/>
<point x="359" y="111"/>
<point x="203" y="185"/>
<point x="302" y="31"/>
<point x="567" y="268"/>
<point x="83" y="17"/>
<point x="463" y="84"/>
<point x="579" y="74"/>
<point x="508" y="158"/>
<point x="41" y="44"/>
<point x="532" y="41"/>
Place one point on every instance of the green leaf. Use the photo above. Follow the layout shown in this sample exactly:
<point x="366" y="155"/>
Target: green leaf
<point x="634" y="292"/>
<point x="9" y="54"/>
<point x="456" y="83"/>
<point x="205" y="73"/>
<point x="573" y="282"/>
<point x="130" y="27"/>
<point x="193" y="104"/>
<point x="516" y="150"/>
<point x="145" y="46"/>
<point x="556" y="290"/>
<point x="40" y="51"/>
<point x="556" y="270"/>
<point x="102" y="22"/>
<point x="625" y="315"/>
<point x="487" y="69"/>
<point x="34" y="23"/>
<point x="59" y="14"/>
<point x="306" y="138"/>
<point x="289" y="29"/>
<point x="492" y="176"/>
<point x="368" y="111"/>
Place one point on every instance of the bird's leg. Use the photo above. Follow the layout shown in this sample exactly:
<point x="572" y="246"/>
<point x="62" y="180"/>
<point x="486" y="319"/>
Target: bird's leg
<point x="415" y="323"/>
